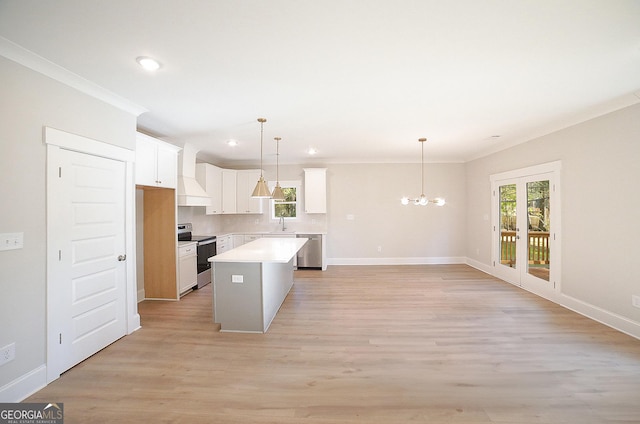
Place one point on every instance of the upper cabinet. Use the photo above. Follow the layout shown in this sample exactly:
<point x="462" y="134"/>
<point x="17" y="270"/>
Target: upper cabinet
<point x="315" y="190"/>
<point x="156" y="162"/>
<point x="229" y="191"/>
<point x="210" y="178"/>
<point x="245" y="182"/>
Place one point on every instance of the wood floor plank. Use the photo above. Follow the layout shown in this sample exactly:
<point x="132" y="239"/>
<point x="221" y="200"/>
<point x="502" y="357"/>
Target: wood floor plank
<point x="384" y="344"/>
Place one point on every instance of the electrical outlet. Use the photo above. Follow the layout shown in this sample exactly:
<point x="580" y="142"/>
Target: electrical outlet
<point x="10" y="241"/>
<point x="635" y="300"/>
<point x="7" y="353"/>
<point x="379" y="248"/>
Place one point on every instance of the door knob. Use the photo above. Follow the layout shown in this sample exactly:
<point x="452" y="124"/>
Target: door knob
<point x="122" y="258"/>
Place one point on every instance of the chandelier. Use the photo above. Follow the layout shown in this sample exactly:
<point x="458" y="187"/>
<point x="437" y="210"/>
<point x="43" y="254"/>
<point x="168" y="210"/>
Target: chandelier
<point x="422" y="200"/>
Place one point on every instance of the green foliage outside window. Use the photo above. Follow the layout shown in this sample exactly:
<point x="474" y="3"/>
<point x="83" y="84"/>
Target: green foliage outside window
<point x="287" y="207"/>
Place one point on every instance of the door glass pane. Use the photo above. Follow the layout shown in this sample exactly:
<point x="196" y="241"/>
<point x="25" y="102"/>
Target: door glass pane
<point x="538" y="227"/>
<point x="508" y="225"/>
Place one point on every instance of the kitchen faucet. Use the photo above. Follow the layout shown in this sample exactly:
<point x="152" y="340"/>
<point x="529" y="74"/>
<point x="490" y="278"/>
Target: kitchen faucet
<point x="282" y="220"/>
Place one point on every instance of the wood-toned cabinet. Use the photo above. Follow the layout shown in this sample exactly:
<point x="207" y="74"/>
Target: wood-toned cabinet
<point x="159" y="247"/>
<point x="156" y="162"/>
<point x="210" y="178"/>
<point x="315" y="190"/>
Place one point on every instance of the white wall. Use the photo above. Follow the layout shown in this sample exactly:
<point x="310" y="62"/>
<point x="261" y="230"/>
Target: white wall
<point x="371" y="193"/>
<point x="28" y="102"/>
<point x="600" y="208"/>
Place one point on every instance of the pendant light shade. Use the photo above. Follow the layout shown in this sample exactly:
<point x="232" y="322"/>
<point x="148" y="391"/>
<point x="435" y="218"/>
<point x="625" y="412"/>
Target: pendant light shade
<point x="422" y="200"/>
<point x="261" y="189"/>
<point x="277" y="194"/>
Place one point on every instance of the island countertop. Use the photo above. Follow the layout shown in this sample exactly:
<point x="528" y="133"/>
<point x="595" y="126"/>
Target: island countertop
<point x="278" y="250"/>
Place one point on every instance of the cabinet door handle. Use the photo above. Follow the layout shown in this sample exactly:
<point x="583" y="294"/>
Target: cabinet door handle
<point x="122" y="258"/>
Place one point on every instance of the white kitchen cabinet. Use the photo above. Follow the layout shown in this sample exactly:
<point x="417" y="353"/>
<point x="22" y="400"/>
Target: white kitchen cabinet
<point x="187" y="267"/>
<point x="210" y="178"/>
<point x="315" y="190"/>
<point x="156" y="162"/>
<point x="228" y="190"/>
<point x="224" y="243"/>
<point x="238" y="240"/>
<point x="246" y="180"/>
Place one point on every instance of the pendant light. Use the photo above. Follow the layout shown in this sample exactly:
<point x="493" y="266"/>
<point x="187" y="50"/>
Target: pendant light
<point x="277" y="194"/>
<point x="261" y="189"/>
<point x="422" y="200"/>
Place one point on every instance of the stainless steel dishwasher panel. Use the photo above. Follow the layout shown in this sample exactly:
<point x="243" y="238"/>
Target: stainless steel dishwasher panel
<point x="310" y="256"/>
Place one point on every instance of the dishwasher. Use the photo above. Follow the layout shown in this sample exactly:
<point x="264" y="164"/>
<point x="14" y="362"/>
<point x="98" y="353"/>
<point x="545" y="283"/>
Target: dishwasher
<point x="310" y="256"/>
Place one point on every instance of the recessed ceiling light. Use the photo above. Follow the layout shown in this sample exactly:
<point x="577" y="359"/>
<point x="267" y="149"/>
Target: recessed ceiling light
<point x="312" y="151"/>
<point x="232" y="143"/>
<point x="149" y="64"/>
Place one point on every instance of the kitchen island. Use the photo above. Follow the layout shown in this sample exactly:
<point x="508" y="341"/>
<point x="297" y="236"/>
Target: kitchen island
<point x="251" y="281"/>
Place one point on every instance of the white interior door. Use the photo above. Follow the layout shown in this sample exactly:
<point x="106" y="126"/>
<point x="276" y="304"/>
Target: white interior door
<point x="526" y="228"/>
<point x="86" y="288"/>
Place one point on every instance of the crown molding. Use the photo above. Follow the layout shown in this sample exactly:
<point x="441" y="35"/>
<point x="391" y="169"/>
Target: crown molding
<point x="29" y="59"/>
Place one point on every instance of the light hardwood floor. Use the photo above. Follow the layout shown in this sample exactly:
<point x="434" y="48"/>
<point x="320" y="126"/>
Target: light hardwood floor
<point x="386" y="344"/>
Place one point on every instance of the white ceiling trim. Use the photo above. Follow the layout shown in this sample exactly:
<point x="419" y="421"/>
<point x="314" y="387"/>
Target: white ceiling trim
<point x="27" y="58"/>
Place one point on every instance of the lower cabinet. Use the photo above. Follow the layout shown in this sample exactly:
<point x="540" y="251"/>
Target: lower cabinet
<point x="187" y="267"/>
<point x="224" y="243"/>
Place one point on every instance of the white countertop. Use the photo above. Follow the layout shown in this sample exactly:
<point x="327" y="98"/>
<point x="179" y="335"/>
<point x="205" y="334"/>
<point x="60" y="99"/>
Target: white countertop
<point x="186" y="243"/>
<point x="271" y="233"/>
<point x="268" y="249"/>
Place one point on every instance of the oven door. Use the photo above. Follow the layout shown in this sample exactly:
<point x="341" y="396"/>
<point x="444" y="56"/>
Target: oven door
<point x="206" y="249"/>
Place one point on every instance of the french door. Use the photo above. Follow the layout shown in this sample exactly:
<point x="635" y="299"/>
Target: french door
<point x="526" y="228"/>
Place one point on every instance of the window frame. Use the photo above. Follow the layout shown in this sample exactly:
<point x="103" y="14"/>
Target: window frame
<point x="285" y="184"/>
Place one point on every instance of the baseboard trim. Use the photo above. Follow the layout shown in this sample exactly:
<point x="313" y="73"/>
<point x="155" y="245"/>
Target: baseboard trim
<point x="24" y="386"/>
<point x="608" y="318"/>
<point x="140" y="295"/>
<point x="478" y="265"/>
<point x="398" y="261"/>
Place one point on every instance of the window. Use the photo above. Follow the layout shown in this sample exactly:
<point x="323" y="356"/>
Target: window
<point x="287" y="208"/>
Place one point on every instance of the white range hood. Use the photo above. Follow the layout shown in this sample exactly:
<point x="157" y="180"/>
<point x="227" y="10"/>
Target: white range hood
<point x="190" y="193"/>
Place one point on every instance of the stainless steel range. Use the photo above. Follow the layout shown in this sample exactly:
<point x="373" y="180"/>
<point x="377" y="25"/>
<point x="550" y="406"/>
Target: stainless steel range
<point x="206" y="248"/>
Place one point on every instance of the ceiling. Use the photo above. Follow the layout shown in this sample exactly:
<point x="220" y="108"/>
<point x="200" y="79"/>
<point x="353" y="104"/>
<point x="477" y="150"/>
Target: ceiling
<point x="358" y="80"/>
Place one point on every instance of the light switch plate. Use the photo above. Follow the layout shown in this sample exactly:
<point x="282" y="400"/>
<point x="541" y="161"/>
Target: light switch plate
<point x="237" y="278"/>
<point x="11" y="241"/>
<point x="635" y="300"/>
